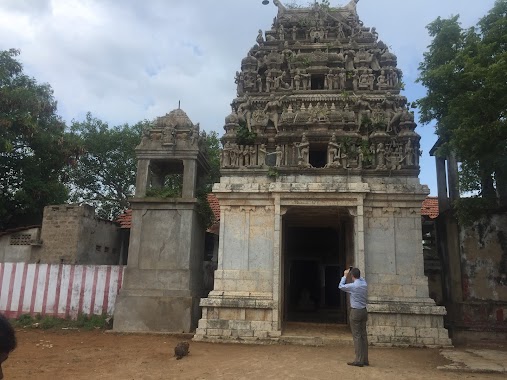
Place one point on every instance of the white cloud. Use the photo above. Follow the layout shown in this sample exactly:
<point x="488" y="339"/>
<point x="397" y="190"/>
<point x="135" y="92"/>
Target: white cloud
<point x="131" y="60"/>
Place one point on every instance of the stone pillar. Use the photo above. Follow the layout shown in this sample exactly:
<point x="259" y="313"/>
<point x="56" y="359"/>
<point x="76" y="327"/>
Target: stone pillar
<point x="163" y="279"/>
<point x="400" y="310"/>
<point x="452" y="170"/>
<point x="189" y="178"/>
<point x="242" y="305"/>
<point x="143" y="176"/>
<point x="443" y="199"/>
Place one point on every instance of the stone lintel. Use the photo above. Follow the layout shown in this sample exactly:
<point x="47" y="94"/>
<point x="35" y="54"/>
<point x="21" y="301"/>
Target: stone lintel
<point x="406" y="308"/>
<point x="248" y="303"/>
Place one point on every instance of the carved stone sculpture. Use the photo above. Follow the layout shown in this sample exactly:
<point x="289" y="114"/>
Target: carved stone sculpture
<point x="303" y="152"/>
<point x="273" y="109"/>
<point x="260" y="38"/>
<point x="333" y="153"/>
<point x="261" y="156"/>
<point x="381" y="160"/>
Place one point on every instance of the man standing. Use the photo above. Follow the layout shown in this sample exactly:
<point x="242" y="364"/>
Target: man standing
<point x="358" y="290"/>
<point x="7" y="341"/>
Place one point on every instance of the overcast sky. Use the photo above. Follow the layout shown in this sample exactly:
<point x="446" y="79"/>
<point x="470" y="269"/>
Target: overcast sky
<point x="129" y="60"/>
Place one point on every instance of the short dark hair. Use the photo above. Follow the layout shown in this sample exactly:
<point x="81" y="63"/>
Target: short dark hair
<point x="7" y="336"/>
<point x="355" y="272"/>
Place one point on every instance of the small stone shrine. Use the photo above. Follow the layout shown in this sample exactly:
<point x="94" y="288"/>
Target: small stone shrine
<point x="319" y="171"/>
<point x="163" y="280"/>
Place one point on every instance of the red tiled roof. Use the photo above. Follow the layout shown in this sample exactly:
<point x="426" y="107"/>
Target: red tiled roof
<point x="430" y="207"/>
<point x="215" y="206"/>
<point x="125" y="219"/>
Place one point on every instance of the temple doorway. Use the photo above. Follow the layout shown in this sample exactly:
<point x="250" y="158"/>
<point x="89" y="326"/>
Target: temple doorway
<point x="317" y="243"/>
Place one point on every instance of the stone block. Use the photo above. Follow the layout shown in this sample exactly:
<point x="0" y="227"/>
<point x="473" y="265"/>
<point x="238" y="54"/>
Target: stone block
<point x="264" y="286"/>
<point x="405" y="224"/>
<point x="258" y="325"/>
<point x="404" y="331"/>
<point x="213" y="312"/>
<point x="203" y="323"/>
<point x="229" y="285"/>
<point x="257" y="315"/>
<point x="422" y="291"/>
<point x="217" y="324"/>
<point x="229" y="314"/>
<point x="242" y="333"/>
<point x="427" y="333"/>
<point x="419" y="321"/>
<point x="381" y="330"/>
<point x="382" y="338"/>
<point x="419" y="280"/>
<point x="385" y="320"/>
<point x="216" y="332"/>
<point x="425" y="341"/>
<point x="261" y="334"/>
<point x="240" y="325"/>
<point x="403" y="340"/>
<point x="245" y="285"/>
<point x="231" y="274"/>
<point x="200" y="331"/>
<point x="437" y="322"/>
<point x="443" y="333"/>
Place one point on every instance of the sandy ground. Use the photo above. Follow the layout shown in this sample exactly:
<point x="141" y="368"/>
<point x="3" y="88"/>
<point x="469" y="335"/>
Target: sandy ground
<point x="99" y="355"/>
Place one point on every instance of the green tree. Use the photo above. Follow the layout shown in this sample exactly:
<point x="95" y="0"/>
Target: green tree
<point x="214" y="151"/>
<point x="105" y="174"/>
<point x="34" y="147"/>
<point x="464" y="71"/>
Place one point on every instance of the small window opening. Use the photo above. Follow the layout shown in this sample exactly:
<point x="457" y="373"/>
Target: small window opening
<point x="317" y="82"/>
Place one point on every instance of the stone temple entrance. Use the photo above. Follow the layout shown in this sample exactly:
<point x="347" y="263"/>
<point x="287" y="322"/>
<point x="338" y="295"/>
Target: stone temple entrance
<point x="319" y="169"/>
<point x="315" y="245"/>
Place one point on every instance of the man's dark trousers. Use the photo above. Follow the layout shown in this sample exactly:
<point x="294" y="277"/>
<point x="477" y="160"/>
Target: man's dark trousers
<point x="358" y="318"/>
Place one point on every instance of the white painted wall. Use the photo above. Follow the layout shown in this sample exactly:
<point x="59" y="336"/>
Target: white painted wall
<point x="58" y="290"/>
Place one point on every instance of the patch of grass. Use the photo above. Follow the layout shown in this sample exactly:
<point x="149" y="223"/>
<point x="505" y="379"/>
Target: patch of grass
<point x="84" y="322"/>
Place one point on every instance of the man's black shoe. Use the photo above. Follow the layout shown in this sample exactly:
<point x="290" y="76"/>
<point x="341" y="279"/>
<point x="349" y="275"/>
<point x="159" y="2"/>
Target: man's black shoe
<point x="356" y="364"/>
<point x="366" y="364"/>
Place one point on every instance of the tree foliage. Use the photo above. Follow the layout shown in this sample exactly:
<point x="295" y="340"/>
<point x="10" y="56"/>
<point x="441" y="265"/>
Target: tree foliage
<point x="213" y="148"/>
<point x="43" y="163"/>
<point x="34" y="148"/>
<point x="465" y="73"/>
<point x="105" y="174"/>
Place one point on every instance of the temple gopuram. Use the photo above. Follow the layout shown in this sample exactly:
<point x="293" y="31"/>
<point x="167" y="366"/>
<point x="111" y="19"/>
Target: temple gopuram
<point x="319" y="172"/>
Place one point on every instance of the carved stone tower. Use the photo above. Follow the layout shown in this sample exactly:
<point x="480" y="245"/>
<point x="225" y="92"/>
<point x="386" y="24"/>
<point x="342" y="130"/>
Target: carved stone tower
<point x="320" y="171"/>
<point x="163" y="279"/>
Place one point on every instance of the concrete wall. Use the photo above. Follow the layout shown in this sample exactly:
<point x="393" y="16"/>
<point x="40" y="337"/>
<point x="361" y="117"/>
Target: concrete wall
<point x="17" y="246"/>
<point x="484" y="273"/>
<point x="72" y="234"/>
<point x="58" y="290"/>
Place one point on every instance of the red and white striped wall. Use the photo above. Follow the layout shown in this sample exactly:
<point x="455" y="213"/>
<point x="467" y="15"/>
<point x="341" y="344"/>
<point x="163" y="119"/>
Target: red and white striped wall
<point x="58" y="290"/>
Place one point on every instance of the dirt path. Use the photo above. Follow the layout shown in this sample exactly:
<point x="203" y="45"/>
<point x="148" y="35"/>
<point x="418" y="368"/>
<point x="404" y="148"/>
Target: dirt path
<point x="97" y="355"/>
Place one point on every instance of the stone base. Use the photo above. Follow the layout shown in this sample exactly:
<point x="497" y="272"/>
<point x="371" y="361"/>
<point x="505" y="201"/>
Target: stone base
<point x="142" y="313"/>
<point x="407" y="324"/>
<point x="237" y="320"/>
